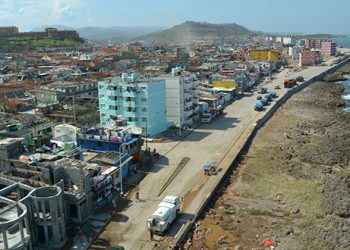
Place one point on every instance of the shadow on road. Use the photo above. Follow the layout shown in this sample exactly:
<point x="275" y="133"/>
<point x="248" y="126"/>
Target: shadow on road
<point x="183" y="219"/>
<point x="222" y="123"/>
<point x="116" y="217"/>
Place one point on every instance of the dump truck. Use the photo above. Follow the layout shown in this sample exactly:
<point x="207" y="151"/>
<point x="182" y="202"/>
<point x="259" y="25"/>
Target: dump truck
<point x="165" y="214"/>
<point x="290" y="83"/>
<point x="268" y="97"/>
<point x="262" y="90"/>
<point x="259" y="106"/>
<point x="264" y="101"/>
<point x="273" y="94"/>
<point x="300" y="79"/>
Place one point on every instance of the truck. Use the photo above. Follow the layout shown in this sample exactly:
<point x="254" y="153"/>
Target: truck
<point x="165" y="215"/>
<point x="262" y="90"/>
<point x="259" y="106"/>
<point x="290" y="83"/>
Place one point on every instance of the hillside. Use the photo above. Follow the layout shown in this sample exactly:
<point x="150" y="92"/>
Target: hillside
<point x="34" y="40"/>
<point x="190" y="30"/>
<point x="115" y="34"/>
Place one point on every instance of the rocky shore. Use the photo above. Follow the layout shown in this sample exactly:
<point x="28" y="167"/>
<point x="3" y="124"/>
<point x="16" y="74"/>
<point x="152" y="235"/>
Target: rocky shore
<point x="339" y="75"/>
<point x="293" y="186"/>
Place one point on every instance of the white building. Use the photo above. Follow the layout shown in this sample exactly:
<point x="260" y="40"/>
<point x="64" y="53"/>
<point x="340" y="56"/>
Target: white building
<point x="182" y="95"/>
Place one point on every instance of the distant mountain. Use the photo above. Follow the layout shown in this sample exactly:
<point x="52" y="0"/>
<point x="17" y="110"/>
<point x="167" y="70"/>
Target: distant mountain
<point x="190" y="30"/>
<point x="105" y="34"/>
<point x="115" y="34"/>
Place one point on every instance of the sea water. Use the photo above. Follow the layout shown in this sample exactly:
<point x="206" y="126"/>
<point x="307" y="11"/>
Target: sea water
<point x="343" y="41"/>
<point x="346" y="94"/>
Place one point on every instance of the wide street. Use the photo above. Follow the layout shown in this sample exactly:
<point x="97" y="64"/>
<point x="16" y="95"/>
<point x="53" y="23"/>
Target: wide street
<point x="219" y="141"/>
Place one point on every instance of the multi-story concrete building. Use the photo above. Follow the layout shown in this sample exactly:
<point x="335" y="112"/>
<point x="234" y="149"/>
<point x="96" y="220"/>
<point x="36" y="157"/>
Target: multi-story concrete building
<point x="140" y="101"/>
<point x="314" y="43"/>
<point x="307" y="58"/>
<point x="57" y="91"/>
<point x="328" y="48"/>
<point x="182" y="95"/>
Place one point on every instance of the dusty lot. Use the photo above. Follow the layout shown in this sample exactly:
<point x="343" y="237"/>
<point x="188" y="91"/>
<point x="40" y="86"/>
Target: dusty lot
<point x="293" y="186"/>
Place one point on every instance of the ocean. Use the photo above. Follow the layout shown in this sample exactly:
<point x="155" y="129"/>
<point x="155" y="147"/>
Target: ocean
<point x="346" y="94"/>
<point x="342" y="40"/>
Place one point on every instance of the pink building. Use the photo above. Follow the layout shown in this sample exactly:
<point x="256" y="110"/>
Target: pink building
<point x="314" y="43"/>
<point x="328" y="48"/>
<point x="307" y="58"/>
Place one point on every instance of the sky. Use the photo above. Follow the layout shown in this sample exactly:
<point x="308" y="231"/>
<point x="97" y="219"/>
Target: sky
<point x="300" y="16"/>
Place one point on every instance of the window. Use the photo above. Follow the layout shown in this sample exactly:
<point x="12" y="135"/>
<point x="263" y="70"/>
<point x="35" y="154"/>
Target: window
<point x="144" y="99"/>
<point x="102" y="95"/>
<point x="73" y="210"/>
<point x="144" y="119"/>
<point x="103" y="114"/>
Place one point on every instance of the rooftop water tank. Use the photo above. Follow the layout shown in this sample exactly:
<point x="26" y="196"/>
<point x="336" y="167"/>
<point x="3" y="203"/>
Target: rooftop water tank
<point x="124" y="77"/>
<point x="134" y="77"/>
<point x="174" y="71"/>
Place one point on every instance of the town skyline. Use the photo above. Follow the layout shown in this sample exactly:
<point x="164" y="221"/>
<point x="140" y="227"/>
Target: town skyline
<point x="300" y="17"/>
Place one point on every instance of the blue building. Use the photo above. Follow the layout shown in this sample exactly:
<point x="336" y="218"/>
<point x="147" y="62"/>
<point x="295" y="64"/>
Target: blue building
<point x="110" y="140"/>
<point x="141" y="102"/>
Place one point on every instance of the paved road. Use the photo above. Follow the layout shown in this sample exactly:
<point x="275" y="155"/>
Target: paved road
<point x="209" y="142"/>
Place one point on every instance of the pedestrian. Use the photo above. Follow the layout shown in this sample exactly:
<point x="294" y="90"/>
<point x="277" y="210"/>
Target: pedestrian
<point x="137" y="196"/>
<point x="80" y="234"/>
<point x="151" y="234"/>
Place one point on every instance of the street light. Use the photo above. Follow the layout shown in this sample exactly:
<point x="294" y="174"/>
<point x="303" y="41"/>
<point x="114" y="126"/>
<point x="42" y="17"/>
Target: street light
<point x="121" y="169"/>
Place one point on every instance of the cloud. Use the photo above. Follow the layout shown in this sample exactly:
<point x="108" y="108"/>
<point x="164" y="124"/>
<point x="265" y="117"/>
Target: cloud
<point x="29" y="13"/>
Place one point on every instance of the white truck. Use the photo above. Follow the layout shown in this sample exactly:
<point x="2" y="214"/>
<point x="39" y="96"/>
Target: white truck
<point x="165" y="214"/>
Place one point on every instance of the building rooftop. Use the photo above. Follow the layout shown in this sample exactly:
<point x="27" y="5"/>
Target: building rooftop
<point x="7" y="141"/>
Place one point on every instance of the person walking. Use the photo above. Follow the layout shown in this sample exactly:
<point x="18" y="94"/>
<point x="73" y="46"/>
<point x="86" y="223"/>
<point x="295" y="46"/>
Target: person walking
<point x="137" y="196"/>
<point x="80" y="234"/>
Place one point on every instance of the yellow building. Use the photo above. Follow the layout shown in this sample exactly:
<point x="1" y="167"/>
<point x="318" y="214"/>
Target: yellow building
<point x="264" y="54"/>
<point x="224" y="84"/>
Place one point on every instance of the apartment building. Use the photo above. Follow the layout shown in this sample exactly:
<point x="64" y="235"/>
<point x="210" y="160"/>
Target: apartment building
<point x="182" y="95"/>
<point x="328" y="48"/>
<point x="142" y="102"/>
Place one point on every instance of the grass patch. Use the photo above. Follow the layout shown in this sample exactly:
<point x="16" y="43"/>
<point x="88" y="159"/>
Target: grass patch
<point x="179" y="167"/>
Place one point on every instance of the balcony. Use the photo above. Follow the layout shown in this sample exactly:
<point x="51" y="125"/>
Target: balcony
<point x="188" y="113"/>
<point x="130" y="94"/>
<point x="131" y="104"/>
<point x="130" y="114"/>
<point x="187" y="95"/>
<point x="114" y="93"/>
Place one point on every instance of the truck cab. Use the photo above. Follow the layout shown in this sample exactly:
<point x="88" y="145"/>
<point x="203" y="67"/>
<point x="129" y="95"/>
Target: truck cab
<point x="176" y="200"/>
<point x="206" y="117"/>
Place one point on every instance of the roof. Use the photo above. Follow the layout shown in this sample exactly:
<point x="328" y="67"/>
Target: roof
<point x="7" y="141"/>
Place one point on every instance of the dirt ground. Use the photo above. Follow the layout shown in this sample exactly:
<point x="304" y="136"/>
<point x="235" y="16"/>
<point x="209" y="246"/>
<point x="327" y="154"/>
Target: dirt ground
<point x="293" y="185"/>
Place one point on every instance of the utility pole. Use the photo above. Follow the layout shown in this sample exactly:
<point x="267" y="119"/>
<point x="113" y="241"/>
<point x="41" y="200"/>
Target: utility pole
<point x="74" y="114"/>
<point x="146" y="134"/>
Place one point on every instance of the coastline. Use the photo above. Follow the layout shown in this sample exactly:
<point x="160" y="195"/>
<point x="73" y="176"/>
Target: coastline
<point x="288" y="190"/>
